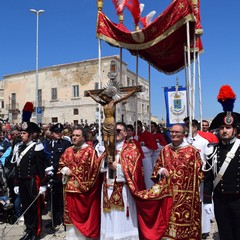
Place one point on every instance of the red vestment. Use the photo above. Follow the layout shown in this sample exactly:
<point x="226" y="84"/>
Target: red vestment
<point x="153" y="205"/>
<point x="138" y="145"/>
<point x="184" y="166"/>
<point x="148" y="139"/>
<point x="159" y="138"/>
<point x="82" y="191"/>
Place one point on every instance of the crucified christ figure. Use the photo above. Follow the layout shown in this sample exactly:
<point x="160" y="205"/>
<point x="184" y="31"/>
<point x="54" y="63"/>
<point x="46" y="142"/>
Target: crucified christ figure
<point x="108" y="128"/>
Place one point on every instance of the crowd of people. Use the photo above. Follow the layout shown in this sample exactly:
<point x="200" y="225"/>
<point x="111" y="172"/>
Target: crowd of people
<point x="162" y="183"/>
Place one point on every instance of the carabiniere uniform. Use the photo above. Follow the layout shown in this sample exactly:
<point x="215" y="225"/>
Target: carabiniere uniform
<point x="30" y="175"/>
<point x="228" y="188"/>
<point x="230" y="182"/>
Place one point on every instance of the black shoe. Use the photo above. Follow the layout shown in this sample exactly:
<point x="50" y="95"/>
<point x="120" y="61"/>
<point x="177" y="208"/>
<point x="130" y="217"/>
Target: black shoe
<point x="35" y="238"/>
<point x="50" y="225"/>
<point x="205" y="235"/>
<point x="27" y="236"/>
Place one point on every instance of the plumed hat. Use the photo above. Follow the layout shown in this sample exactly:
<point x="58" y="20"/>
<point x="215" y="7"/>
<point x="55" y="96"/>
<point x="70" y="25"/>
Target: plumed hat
<point x="57" y="128"/>
<point x="30" y="127"/>
<point x="27" y="112"/>
<point x="227" y="98"/>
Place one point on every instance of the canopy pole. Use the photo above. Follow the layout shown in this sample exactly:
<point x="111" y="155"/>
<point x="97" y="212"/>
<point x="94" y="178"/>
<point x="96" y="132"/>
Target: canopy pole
<point x="188" y="79"/>
<point x="200" y="89"/>
<point x="149" y="79"/>
<point x="99" y="87"/>
<point x="121" y="82"/>
<point x="136" y="95"/>
<point x="194" y="78"/>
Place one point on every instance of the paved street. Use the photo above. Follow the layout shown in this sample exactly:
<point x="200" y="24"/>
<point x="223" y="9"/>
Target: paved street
<point x="15" y="232"/>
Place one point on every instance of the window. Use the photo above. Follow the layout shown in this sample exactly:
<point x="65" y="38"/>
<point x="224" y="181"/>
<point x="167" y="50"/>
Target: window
<point x="133" y="83"/>
<point x="13" y="101"/>
<point x="75" y="91"/>
<point x="148" y="110"/>
<point x="40" y="97"/>
<point x="96" y="85"/>
<point x="54" y="94"/>
<point x="75" y="122"/>
<point x="128" y="81"/>
<point x="54" y="120"/>
<point x="75" y="111"/>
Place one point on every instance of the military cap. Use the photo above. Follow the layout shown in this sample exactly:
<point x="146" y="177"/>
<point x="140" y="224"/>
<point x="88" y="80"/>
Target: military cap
<point x="57" y="128"/>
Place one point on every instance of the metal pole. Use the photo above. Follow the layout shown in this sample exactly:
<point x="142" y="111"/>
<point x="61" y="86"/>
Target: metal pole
<point x="99" y="87"/>
<point x="36" y="94"/>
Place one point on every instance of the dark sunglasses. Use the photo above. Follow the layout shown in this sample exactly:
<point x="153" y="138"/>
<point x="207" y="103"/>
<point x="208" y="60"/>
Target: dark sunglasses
<point x="118" y="130"/>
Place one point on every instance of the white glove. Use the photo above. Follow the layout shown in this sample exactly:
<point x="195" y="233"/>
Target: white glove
<point x="208" y="208"/>
<point x="100" y="149"/>
<point x="16" y="190"/>
<point x="50" y="173"/>
<point x="190" y="140"/>
<point x="42" y="189"/>
<point x="163" y="172"/>
<point x="64" y="170"/>
<point x="49" y="169"/>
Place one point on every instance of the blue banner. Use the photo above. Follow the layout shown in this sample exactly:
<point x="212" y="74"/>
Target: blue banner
<point x="176" y="105"/>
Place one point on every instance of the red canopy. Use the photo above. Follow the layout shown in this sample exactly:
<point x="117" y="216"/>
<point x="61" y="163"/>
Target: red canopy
<point x="162" y="42"/>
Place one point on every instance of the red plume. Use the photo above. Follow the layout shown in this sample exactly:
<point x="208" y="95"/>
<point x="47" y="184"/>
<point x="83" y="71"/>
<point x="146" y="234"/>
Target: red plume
<point x="27" y="111"/>
<point x="226" y="97"/>
<point x="28" y="107"/>
<point x="226" y="92"/>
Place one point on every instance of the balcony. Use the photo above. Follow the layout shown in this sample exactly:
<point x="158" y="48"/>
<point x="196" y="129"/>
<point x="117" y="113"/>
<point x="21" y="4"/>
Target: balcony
<point x="13" y="108"/>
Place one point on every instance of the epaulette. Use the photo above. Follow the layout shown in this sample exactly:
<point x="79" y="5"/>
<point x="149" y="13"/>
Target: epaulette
<point x="39" y="147"/>
<point x="215" y="147"/>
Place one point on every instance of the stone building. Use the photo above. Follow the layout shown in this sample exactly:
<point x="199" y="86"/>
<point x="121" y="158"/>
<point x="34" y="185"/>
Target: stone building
<point x="61" y="93"/>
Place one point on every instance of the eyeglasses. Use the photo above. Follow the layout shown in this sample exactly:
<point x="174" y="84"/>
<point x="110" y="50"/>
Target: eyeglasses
<point x="176" y="132"/>
<point x="76" y="135"/>
<point x="118" y="130"/>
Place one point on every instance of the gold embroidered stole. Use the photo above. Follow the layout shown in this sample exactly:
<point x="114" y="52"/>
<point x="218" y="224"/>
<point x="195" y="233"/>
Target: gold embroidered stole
<point x="116" y="198"/>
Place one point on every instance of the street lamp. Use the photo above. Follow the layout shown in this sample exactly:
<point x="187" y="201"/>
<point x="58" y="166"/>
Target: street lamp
<point x="36" y="103"/>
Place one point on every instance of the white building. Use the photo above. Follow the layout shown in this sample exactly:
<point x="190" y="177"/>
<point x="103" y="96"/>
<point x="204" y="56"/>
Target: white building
<point x="61" y="93"/>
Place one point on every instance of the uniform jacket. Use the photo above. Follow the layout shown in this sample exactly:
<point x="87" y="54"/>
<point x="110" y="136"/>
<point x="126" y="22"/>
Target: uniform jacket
<point x="54" y="151"/>
<point x="230" y="182"/>
<point x="32" y="163"/>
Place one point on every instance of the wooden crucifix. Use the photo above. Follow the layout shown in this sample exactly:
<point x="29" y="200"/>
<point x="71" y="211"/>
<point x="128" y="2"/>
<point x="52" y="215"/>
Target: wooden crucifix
<point x="108" y="98"/>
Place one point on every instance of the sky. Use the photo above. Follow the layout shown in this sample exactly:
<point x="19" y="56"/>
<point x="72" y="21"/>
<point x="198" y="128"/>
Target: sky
<point x="67" y="33"/>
